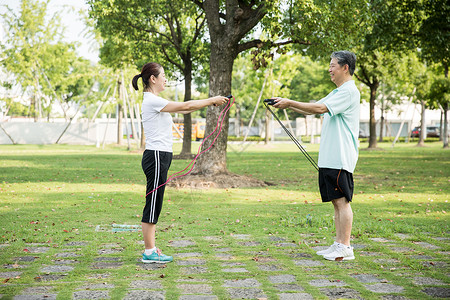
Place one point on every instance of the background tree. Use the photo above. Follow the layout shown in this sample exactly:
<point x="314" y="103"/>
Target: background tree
<point x="409" y="25"/>
<point x="434" y="41"/>
<point x="115" y="58"/>
<point x="327" y="26"/>
<point x="400" y="83"/>
<point x="34" y="53"/>
<point x="246" y="85"/>
<point x="375" y="67"/>
<point x="414" y="80"/>
<point x="439" y="97"/>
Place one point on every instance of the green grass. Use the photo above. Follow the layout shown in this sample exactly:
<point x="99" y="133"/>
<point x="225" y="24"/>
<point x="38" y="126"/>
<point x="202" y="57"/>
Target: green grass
<point x="59" y="193"/>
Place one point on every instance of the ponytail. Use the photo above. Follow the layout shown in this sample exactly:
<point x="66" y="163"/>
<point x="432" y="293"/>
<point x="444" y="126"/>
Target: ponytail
<point x="134" y="81"/>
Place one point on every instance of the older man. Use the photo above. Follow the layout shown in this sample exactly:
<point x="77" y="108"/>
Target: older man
<point x="338" y="151"/>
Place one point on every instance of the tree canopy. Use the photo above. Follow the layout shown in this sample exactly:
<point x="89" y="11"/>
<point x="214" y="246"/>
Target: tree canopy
<point x="40" y="61"/>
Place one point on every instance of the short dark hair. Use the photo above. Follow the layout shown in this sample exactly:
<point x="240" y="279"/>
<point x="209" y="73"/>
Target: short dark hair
<point x="345" y="58"/>
<point x="148" y="70"/>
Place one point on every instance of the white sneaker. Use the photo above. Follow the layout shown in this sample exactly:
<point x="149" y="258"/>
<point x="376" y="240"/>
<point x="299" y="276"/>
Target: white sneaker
<point x="328" y="250"/>
<point x="341" y="252"/>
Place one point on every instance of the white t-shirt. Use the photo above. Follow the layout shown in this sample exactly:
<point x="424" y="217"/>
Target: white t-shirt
<point x="157" y="124"/>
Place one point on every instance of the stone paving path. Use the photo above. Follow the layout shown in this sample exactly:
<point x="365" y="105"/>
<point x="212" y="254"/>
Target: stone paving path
<point x="255" y="274"/>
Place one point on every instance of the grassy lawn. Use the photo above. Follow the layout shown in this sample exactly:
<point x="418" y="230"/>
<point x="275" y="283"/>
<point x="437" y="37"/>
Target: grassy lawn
<point x="57" y="194"/>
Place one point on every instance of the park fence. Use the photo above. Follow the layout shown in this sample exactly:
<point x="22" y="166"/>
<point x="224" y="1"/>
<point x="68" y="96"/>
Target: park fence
<point x="41" y="133"/>
<point x="103" y="131"/>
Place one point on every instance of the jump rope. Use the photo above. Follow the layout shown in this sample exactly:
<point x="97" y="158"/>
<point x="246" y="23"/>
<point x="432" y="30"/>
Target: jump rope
<point x="268" y="102"/>
<point x="220" y="120"/>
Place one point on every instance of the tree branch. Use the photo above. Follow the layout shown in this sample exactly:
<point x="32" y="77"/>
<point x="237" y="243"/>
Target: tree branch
<point x="171" y="60"/>
<point x="175" y="38"/>
<point x="211" y="8"/>
<point x="258" y="44"/>
<point x="198" y="30"/>
<point x="148" y="30"/>
<point x="179" y="33"/>
<point x="199" y="3"/>
<point x="365" y="79"/>
<point x="247" y="19"/>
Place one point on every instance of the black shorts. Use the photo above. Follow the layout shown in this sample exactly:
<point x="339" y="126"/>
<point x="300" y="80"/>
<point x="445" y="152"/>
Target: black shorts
<point x="334" y="184"/>
<point x="155" y="165"/>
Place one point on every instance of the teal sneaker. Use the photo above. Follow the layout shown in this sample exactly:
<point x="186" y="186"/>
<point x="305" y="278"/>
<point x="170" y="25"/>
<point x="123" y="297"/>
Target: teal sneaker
<point x="156" y="257"/>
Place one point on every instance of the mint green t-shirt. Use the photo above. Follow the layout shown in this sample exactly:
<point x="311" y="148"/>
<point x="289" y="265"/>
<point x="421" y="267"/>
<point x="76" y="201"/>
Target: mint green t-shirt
<point x="340" y="128"/>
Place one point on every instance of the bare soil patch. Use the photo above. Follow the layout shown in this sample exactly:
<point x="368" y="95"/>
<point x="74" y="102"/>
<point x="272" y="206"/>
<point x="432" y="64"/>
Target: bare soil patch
<point x="226" y="180"/>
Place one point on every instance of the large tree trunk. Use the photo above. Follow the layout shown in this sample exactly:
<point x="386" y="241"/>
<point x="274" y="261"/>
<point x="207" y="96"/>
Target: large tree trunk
<point x="266" y="137"/>
<point x="372" y="82"/>
<point x="445" y="106"/>
<point x="380" y="139"/>
<point x="187" y="119"/>
<point x="372" y="121"/>
<point x="119" y="114"/>
<point x="423" y="128"/>
<point x="34" y="103"/>
<point x="445" y="137"/>
<point x="119" y="124"/>
<point x="214" y="162"/>
<point x="382" y="119"/>
<point x="226" y="31"/>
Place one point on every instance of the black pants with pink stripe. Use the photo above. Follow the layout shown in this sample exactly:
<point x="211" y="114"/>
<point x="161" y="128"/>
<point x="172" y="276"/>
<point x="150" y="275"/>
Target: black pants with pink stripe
<point x="155" y="165"/>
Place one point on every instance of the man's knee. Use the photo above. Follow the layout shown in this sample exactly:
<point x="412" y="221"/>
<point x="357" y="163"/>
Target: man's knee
<point x="340" y="203"/>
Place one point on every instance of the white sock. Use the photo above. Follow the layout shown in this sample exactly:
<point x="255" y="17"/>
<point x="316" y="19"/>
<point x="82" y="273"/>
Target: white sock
<point x="149" y="251"/>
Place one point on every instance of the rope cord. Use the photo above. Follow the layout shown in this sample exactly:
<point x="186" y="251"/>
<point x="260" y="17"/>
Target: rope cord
<point x="220" y="120"/>
<point x="296" y="142"/>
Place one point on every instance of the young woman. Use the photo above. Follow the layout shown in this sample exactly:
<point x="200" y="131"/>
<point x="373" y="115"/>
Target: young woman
<point x="157" y="156"/>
